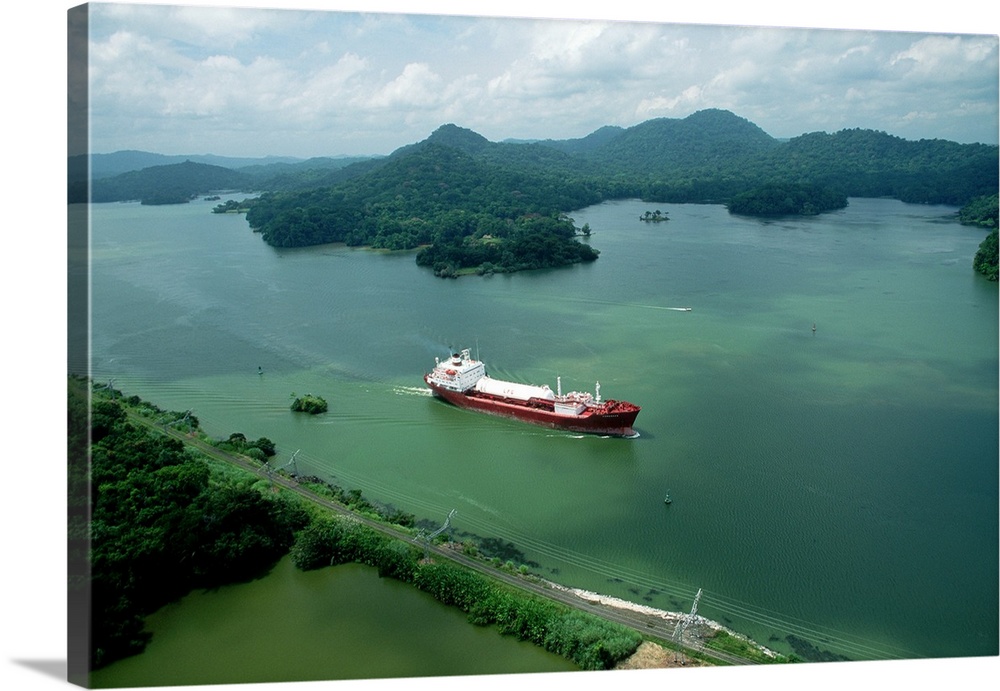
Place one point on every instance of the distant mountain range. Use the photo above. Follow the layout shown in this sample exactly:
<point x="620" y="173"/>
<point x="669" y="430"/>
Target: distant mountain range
<point x="158" y="179"/>
<point x="710" y="155"/>
<point x="109" y="165"/>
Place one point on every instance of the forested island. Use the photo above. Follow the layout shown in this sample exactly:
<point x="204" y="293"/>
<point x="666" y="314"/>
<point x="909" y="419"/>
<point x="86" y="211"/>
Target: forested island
<point x="314" y="405"/>
<point x="475" y="206"/>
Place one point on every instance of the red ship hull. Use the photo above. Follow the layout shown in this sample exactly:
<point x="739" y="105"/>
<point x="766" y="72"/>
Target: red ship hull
<point x="612" y="418"/>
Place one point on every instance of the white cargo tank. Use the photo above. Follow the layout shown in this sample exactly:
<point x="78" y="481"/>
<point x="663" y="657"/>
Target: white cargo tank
<point x="508" y="389"/>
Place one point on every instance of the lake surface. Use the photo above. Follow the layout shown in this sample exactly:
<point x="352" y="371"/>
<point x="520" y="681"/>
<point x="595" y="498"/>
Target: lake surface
<point x="837" y="486"/>
<point x="338" y="623"/>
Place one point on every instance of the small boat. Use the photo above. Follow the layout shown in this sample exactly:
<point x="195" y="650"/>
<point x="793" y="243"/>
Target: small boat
<point x="667" y="499"/>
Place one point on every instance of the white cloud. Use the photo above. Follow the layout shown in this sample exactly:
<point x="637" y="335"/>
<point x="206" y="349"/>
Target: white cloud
<point x="218" y="27"/>
<point x="416" y="87"/>
<point x="946" y="59"/>
<point x="368" y="83"/>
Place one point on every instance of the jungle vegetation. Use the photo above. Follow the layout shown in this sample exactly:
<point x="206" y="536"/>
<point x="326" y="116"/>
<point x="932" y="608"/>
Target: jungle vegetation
<point x="985" y="261"/>
<point x="163" y="522"/>
<point x="476" y="206"/>
<point x="470" y="203"/>
<point x="982" y="212"/>
<point x="168" y="184"/>
<point x="779" y="199"/>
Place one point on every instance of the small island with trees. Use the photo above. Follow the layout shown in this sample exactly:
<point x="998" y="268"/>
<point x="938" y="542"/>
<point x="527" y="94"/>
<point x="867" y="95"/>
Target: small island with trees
<point x="314" y="405"/>
<point x="654" y="217"/>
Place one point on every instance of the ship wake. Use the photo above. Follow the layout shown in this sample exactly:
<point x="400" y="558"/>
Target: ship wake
<point x="412" y="391"/>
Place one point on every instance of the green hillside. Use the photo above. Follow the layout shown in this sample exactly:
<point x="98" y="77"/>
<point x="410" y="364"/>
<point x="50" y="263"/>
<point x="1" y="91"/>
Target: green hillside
<point x="168" y="184"/>
<point x="475" y="205"/>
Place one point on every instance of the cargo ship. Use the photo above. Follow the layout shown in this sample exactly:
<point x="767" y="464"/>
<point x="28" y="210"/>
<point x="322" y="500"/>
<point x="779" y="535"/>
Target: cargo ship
<point x="462" y="381"/>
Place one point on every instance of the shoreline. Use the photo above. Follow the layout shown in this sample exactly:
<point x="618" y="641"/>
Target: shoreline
<point x="652" y="655"/>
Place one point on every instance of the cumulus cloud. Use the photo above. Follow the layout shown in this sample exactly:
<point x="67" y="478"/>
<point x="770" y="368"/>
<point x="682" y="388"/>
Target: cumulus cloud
<point x="417" y="87"/>
<point x="164" y="78"/>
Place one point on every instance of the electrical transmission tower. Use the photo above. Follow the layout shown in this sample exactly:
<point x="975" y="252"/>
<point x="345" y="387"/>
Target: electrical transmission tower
<point x="426" y="539"/>
<point x="109" y="387"/>
<point x="184" y="419"/>
<point x="291" y="462"/>
<point x="684" y="623"/>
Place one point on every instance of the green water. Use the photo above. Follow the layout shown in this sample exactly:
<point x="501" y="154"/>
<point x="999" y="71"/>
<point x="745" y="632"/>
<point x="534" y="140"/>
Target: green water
<point x="317" y="625"/>
<point x="839" y="486"/>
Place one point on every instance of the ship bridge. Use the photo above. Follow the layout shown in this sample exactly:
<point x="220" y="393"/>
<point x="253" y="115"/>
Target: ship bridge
<point x="458" y="373"/>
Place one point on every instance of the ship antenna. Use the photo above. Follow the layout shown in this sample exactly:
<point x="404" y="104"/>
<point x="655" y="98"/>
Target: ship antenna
<point x="598" y="392"/>
<point x="559" y="386"/>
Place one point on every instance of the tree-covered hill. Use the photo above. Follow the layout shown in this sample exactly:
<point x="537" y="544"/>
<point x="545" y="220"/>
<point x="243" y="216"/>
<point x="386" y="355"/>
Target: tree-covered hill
<point x="169" y="184"/>
<point x="523" y="156"/>
<point x="867" y="163"/>
<point x="709" y="142"/>
<point x="713" y="155"/>
<point x="467" y="199"/>
<point x="594" y="140"/>
<point x="120" y="177"/>
<point x="111" y="164"/>
<point x="469" y="210"/>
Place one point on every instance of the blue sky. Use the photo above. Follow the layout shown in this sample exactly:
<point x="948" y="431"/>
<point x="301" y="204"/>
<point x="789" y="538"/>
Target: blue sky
<point x="256" y="81"/>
